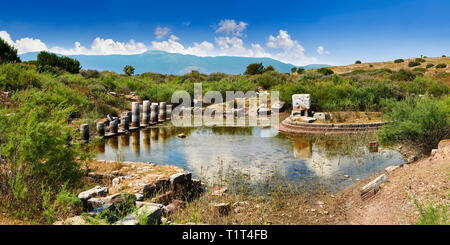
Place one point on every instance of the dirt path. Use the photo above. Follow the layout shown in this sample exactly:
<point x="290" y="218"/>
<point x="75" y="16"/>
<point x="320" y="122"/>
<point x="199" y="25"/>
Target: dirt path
<point x="425" y="180"/>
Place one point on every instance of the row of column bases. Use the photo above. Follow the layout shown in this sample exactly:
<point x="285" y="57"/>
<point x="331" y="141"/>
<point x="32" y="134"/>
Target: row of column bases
<point x="151" y="115"/>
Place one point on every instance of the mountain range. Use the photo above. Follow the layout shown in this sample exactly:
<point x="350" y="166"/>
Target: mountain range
<point x="173" y="63"/>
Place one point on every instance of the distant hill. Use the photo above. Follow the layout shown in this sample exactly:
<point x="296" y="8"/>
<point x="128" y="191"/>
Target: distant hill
<point x="173" y="63"/>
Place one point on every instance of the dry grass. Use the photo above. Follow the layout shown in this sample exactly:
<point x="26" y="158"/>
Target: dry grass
<point x="395" y="66"/>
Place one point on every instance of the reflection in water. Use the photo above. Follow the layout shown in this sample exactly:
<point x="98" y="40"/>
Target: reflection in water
<point x="101" y="147"/>
<point x="124" y="140"/>
<point x="114" y="142"/>
<point x="135" y="142"/>
<point x="255" y="151"/>
<point x="154" y="132"/>
<point x="302" y="148"/>
<point x="146" y="140"/>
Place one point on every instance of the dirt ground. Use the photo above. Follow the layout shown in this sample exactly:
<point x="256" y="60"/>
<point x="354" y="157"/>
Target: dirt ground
<point x="425" y="180"/>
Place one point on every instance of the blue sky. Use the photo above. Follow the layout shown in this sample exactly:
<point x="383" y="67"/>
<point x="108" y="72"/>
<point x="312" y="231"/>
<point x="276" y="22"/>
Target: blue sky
<point x="297" y="32"/>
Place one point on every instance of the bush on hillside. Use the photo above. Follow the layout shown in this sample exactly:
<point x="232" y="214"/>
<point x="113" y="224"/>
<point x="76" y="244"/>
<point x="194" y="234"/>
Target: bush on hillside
<point x="420" y="60"/>
<point x="254" y="69"/>
<point x="37" y="153"/>
<point x="90" y="73"/>
<point x="403" y="75"/>
<point x="358" y="62"/>
<point x="420" y="69"/>
<point x="325" y="71"/>
<point x="413" y="63"/>
<point x="441" y="66"/>
<point x="429" y="65"/>
<point x="16" y="77"/>
<point x="268" y="69"/>
<point x="420" y="121"/>
<point x="49" y="62"/>
<point x="399" y="61"/>
<point x="8" y="54"/>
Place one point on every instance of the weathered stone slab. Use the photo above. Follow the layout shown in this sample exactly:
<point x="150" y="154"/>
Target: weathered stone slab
<point x="301" y="101"/>
<point x="95" y="202"/>
<point x="97" y="191"/>
<point x="308" y="119"/>
<point x="146" y="215"/>
<point x="373" y="187"/>
<point x="180" y="179"/>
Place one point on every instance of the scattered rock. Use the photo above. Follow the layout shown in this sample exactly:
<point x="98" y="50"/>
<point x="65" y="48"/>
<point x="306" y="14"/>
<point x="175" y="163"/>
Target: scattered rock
<point x="97" y="191"/>
<point x="181" y="136"/>
<point x="219" y="191"/>
<point x="145" y="215"/>
<point x="391" y="169"/>
<point x="93" y="203"/>
<point x="373" y="187"/>
<point x="180" y="179"/>
<point x="222" y="209"/>
<point x="139" y="197"/>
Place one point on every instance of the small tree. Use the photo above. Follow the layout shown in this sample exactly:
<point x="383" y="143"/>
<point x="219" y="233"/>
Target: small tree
<point x="325" y="71"/>
<point x="300" y="70"/>
<point x="128" y="70"/>
<point x="293" y="69"/>
<point x="268" y="68"/>
<point x="254" y="68"/>
<point x="441" y="66"/>
<point x="358" y="62"/>
<point x="8" y="54"/>
<point x="399" y="61"/>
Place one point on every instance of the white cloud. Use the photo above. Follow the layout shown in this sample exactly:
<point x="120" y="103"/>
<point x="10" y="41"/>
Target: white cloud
<point x="173" y="46"/>
<point x="161" y="32"/>
<point x="102" y="46"/>
<point x="321" y="50"/>
<point x="290" y="51"/>
<point x="25" y="44"/>
<point x="228" y="27"/>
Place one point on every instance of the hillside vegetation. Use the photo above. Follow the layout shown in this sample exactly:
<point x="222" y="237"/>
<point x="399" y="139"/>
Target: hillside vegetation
<point x="45" y="101"/>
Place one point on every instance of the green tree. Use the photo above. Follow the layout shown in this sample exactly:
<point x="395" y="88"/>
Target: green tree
<point x="300" y="70"/>
<point x="358" y="62"/>
<point x="293" y="69"/>
<point x="325" y="71"/>
<point x="128" y="70"/>
<point x="421" y="122"/>
<point x="254" y="68"/>
<point x="49" y="62"/>
<point x="268" y="68"/>
<point x="7" y="53"/>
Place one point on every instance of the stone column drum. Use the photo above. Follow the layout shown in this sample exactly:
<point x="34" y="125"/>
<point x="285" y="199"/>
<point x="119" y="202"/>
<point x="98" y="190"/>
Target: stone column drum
<point x="146" y="112"/>
<point x="154" y="113"/>
<point x="162" y="112"/>
<point x="84" y="130"/>
<point x="125" y="121"/>
<point x="114" y="127"/>
<point x="168" y="112"/>
<point x="101" y="129"/>
<point x="135" y="112"/>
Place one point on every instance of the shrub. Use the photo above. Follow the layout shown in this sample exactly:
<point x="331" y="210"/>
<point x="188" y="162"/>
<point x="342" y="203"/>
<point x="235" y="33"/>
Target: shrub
<point x="420" y="69"/>
<point x="300" y="70"/>
<point x="37" y="152"/>
<point x="413" y="63"/>
<point x="441" y="66"/>
<point x="429" y="65"/>
<point x="128" y="70"/>
<point x="443" y="56"/>
<point x="16" y="77"/>
<point x="403" y="75"/>
<point x="254" y="68"/>
<point x="268" y="68"/>
<point x="293" y="69"/>
<point x="420" y="60"/>
<point x="90" y="73"/>
<point x="325" y="71"/>
<point x="269" y="79"/>
<point x="49" y="62"/>
<point x="399" y="61"/>
<point x="421" y="122"/>
<point x="8" y="54"/>
<point x="358" y="62"/>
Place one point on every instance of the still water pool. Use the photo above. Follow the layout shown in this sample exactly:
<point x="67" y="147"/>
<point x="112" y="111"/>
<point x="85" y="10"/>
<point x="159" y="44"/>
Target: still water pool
<point x="256" y="151"/>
